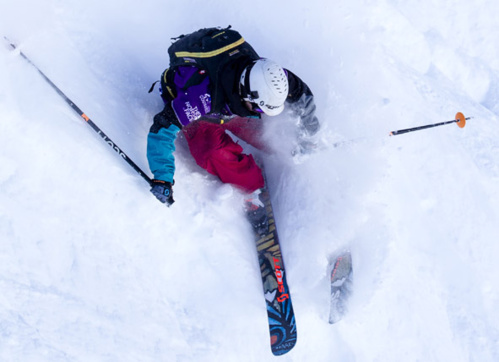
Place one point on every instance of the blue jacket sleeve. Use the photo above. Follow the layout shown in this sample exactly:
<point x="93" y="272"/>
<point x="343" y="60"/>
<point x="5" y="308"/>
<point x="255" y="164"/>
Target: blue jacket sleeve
<point x="160" y="148"/>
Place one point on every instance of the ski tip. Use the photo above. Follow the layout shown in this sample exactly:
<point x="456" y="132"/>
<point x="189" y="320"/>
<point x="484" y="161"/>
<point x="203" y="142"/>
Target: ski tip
<point x="283" y="334"/>
<point x="341" y="265"/>
<point x="460" y="120"/>
<point x="341" y="254"/>
<point x="335" y="319"/>
<point x="341" y="272"/>
<point x="283" y="347"/>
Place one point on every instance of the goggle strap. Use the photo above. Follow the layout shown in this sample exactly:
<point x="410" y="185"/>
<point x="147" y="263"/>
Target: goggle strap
<point x="247" y="90"/>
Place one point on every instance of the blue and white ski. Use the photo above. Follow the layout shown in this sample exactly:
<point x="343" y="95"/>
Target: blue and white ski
<point x="282" y="324"/>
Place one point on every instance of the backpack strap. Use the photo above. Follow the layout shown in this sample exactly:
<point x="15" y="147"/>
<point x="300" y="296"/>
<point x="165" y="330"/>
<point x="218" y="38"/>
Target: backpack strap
<point x="212" y="53"/>
<point x="152" y="86"/>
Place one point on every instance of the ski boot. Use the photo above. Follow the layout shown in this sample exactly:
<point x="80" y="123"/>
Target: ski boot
<point x="256" y="212"/>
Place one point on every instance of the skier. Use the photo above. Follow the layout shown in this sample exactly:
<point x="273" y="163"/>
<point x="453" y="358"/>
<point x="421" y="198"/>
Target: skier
<point x="229" y="89"/>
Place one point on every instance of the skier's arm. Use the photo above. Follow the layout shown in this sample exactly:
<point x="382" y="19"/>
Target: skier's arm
<point x="302" y="103"/>
<point x="161" y="145"/>
<point x="297" y="87"/>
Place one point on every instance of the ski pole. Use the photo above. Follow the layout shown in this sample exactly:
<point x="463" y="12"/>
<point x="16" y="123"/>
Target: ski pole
<point x="106" y="139"/>
<point x="460" y="121"/>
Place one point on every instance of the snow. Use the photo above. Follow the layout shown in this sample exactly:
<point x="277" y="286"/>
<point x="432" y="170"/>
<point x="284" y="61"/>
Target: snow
<point x="93" y="268"/>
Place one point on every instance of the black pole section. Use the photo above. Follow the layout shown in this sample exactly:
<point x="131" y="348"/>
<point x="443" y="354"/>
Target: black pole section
<point x="402" y="131"/>
<point x="85" y="117"/>
<point x="460" y="120"/>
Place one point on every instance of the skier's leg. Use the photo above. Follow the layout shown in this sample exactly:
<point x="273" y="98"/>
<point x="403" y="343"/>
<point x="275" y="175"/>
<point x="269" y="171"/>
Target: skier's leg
<point x="250" y="130"/>
<point x="216" y="152"/>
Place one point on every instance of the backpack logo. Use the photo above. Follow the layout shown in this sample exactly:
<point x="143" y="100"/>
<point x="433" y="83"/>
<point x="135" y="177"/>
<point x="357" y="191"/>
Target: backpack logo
<point x="191" y="112"/>
<point x="206" y="102"/>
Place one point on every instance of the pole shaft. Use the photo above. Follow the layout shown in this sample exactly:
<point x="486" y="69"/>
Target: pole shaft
<point x="407" y="130"/>
<point x="106" y="139"/>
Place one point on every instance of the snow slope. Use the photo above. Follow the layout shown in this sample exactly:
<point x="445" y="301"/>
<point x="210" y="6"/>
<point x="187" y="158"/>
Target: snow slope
<point x="93" y="268"/>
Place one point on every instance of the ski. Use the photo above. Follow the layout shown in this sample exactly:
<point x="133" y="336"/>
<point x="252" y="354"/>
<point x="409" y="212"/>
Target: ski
<point x="341" y="286"/>
<point x="281" y="318"/>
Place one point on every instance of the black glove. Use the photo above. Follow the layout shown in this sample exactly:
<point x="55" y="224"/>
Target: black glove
<point x="165" y="119"/>
<point x="163" y="191"/>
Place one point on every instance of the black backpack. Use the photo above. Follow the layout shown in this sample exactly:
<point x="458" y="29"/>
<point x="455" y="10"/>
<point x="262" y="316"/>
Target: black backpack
<point x="214" y="50"/>
<point x="210" y="49"/>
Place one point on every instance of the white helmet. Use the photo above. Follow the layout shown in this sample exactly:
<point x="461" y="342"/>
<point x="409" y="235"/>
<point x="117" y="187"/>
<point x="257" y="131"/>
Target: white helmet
<point x="265" y="83"/>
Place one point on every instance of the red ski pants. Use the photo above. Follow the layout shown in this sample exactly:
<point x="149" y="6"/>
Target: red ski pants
<point x="216" y="152"/>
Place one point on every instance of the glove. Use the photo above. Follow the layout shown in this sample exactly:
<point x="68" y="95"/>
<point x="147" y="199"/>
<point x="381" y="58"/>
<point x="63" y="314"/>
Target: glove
<point x="163" y="191"/>
<point x="165" y="119"/>
<point x="304" y="147"/>
<point x="309" y="125"/>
